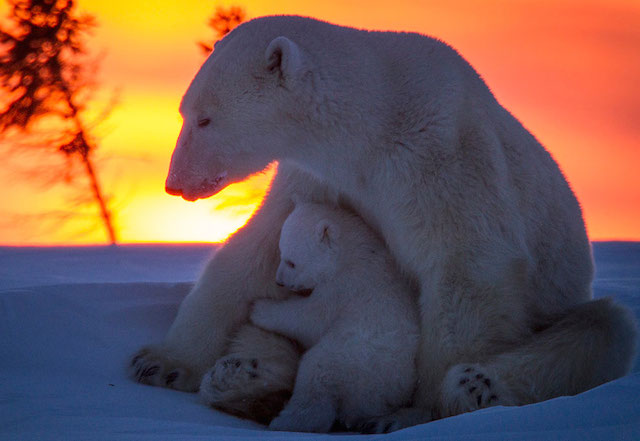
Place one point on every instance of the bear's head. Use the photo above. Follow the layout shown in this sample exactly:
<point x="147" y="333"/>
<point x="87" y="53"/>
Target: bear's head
<point x="308" y="248"/>
<point x="239" y="111"/>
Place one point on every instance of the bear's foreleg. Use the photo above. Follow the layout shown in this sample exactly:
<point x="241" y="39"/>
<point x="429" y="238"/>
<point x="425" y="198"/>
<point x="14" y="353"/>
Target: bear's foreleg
<point x="241" y="271"/>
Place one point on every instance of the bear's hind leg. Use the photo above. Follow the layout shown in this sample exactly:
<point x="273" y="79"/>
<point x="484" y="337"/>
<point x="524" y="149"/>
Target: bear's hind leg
<point x="590" y="345"/>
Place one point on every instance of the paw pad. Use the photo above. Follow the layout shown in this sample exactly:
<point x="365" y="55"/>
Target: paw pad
<point x="468" y="388"/>
<point x="230" y="376"/>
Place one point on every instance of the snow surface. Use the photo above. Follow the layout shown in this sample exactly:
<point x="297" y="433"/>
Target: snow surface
<point x="71" y="317"/>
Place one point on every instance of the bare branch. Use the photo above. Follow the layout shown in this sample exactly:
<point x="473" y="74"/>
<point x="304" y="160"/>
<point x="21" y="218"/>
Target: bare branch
<point x="47" y="83"/>
<point x="223" y="21"/>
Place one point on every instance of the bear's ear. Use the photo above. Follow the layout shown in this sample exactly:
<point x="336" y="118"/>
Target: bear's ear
<point x="327" y="232"/>
<point x="286" y="58"/>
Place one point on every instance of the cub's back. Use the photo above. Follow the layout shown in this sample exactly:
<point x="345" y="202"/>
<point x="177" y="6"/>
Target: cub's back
<point x="368" y="286"/>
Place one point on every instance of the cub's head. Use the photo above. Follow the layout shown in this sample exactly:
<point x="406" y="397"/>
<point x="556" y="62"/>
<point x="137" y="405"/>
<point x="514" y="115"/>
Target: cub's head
<point x="240" y="110"/>
<point x="308" y="248"/>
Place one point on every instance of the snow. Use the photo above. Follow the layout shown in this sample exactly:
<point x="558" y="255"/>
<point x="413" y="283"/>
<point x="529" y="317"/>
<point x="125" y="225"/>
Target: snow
<point x="71" y="317"/>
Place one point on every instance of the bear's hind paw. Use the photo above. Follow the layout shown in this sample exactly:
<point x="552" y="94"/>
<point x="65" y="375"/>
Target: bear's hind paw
<point x="229" y="378"/>
<point x="469" y="387"/>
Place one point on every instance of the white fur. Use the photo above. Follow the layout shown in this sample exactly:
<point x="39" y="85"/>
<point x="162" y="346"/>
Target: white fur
<point x="403" y="131"/>
<point x="359" y="325"/>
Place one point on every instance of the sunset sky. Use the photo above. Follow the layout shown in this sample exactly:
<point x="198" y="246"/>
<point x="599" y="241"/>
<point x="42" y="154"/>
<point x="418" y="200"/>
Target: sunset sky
<point x="569" y="70"/>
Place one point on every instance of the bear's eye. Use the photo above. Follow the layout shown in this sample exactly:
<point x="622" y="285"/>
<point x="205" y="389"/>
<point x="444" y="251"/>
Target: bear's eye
<point x="290" y="264"/>
<point x="203" y="122"/>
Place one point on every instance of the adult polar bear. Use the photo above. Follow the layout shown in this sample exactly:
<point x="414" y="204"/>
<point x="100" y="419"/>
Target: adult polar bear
<point x="399" y="128"/>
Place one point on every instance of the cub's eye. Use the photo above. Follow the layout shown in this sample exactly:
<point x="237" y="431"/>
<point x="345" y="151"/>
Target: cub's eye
<point x="290" y="264"/>
<point x="203" y="122"/>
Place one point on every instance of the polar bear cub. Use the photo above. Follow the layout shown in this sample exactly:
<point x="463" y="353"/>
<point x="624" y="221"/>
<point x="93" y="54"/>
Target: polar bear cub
<point x="359" y="326"/>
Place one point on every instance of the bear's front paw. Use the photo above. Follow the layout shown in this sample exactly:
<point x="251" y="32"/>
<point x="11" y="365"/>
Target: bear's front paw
<point x="152" y="366"/>
<point x="469" y="387"/>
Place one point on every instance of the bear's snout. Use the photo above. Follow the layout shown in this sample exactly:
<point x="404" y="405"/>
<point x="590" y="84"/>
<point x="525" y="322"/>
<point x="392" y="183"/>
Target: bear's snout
<point x="173" y="191"/>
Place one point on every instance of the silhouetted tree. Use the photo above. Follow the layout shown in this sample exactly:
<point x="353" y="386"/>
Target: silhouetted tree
<point x="46" y="83"/>
<point x="222" y="22"/>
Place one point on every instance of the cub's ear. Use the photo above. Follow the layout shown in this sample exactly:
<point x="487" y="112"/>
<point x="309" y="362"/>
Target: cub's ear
<point x="286" y="58"/>
<point x="327" y="232"/>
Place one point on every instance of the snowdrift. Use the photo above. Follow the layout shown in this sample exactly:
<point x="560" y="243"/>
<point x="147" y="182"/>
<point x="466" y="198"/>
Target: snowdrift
<point x="71" y="317"/>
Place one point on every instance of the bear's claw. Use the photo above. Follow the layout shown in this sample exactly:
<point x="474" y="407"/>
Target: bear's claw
<point x="150" y="366"/>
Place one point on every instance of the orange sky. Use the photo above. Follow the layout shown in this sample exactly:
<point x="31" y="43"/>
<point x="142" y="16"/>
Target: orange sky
<point x="568" y="69"/>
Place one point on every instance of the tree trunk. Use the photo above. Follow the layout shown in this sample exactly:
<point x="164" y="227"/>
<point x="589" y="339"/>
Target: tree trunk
<point x="97" y="194"/>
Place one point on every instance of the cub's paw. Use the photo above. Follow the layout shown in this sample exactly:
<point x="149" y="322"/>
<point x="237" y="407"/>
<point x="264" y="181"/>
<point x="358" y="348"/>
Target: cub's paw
<point x="469" y="387"/>
<point x="151" y="366"/>
<point x="316" y="416"/>
<point x="260" y="314"/>
<point x="384" y="424"/>
<point x="402" y="418"/>
<point x="231" y="378"/>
